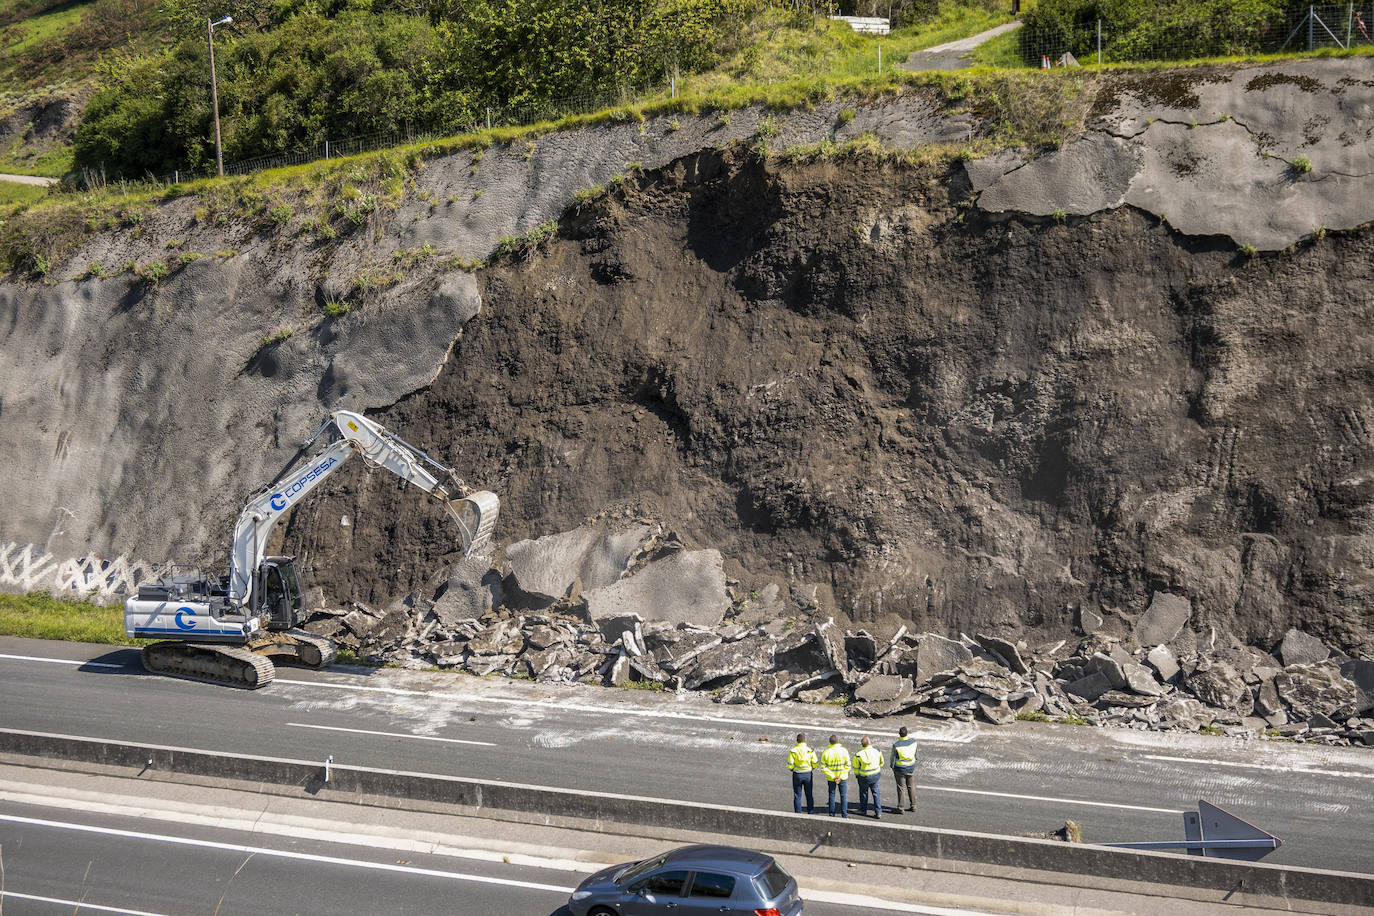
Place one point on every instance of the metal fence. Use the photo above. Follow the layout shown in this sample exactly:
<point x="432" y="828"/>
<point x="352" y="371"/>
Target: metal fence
<point x="1309" y="28"/>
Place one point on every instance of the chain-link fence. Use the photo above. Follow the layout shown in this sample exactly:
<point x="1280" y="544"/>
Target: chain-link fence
<point x="1307" y="28"/>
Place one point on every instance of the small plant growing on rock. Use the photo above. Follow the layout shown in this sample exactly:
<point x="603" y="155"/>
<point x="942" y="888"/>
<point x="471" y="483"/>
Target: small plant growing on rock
<point x="93" y="269"/>
<point x="1319" y="232"/>
<point x="1059" y="216"/>
<point x="1302" y="165"/>
<point x="280" y="214"/>
<point x="276" y="335"/>
<point x="337" y="308"/>
<point x="1248" y="250"/>
<point x="674" y="125"/>
<point x="847" y="115"/>
<point x="768" y="127"/>
<point x="189" y="257"/>
<point x="152" y="272"/>
<point x="175" y="243"/>
<point x="529" y="150"/>
<point x="723" y="121"/>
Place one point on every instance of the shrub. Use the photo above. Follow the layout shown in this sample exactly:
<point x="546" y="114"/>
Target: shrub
<point x="1302" y="165"/>
<point x="280" y="213"/>
<point x="337" y="308"/>
<point x="152" y="272"/>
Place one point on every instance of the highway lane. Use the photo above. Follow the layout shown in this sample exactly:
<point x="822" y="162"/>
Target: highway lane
<point x="70" y="860"/>
<point x="1120" y="785"/>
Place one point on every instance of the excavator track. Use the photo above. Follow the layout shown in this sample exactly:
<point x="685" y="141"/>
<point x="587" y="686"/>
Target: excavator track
<point x="294" y="647"/>
<point x="232" y="666"/>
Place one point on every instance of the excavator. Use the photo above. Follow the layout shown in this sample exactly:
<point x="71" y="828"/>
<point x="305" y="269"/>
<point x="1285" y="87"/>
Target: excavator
<point x="228" y="631"/>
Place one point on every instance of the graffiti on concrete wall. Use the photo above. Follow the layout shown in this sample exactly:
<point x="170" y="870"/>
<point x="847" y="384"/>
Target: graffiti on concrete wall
<point x="26" y="568"/>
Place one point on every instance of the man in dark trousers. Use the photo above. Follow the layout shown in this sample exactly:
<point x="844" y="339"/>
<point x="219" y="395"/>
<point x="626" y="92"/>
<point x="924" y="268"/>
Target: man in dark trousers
<point x="801" y="760"/>
<point x="903" y="767"/>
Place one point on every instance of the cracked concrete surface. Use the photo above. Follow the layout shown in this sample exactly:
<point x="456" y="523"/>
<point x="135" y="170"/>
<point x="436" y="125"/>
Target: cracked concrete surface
<point x="1264" y="155"/>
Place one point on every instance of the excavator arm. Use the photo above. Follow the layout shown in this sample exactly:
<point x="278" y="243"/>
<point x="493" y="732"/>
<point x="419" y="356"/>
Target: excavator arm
<point x="475" y="512"/>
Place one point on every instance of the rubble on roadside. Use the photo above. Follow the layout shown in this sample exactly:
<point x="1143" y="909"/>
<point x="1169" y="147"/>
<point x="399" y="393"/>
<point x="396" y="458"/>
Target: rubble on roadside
<point x="671" y="619"/>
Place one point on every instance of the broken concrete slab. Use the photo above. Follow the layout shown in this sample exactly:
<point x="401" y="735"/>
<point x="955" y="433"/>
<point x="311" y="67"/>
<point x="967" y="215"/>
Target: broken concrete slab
<point x="1110" y="667"/>
<point x="684" y="587"/>
<point x="1299" y="648"/>
<point x="1125" y="700"/>
<point x="676" y="649"/>
<point x="1089" y="621"/>
<point x="1218" y="684"/>
<point x="1091" y="687"/>
<point x="996" y="711"/>
<point x="1361" y="674"/>
<point x="884" y="687"/>
<point x="1007" y="651"/>
<point x="830" y="642"/>
<point x="550" y="567"/>
<point x="1140" y="680"/>
<point x="935" y="654"/>
<point x="1309" y="690"/>
<point x="1163" y="661"/>
<point x="1162" y="620"/>
<point x="729" y="660"/>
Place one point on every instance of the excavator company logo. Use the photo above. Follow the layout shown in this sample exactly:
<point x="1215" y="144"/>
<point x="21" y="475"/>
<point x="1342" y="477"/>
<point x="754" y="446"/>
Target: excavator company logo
<point x="279" y="500"/>
<point x="185" y="624"/>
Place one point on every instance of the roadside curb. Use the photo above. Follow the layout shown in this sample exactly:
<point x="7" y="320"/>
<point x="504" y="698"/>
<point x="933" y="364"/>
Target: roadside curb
<point x="1041" y="861"/>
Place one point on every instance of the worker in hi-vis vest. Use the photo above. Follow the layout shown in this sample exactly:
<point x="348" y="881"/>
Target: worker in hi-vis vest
<point x="868" y="770"/>
<point x="801" y="760"/>
<point x="835" y="766"/>
<point x="904" y="767"/>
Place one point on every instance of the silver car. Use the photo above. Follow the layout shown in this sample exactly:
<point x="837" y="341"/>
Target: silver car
<point x="691" y="881"/>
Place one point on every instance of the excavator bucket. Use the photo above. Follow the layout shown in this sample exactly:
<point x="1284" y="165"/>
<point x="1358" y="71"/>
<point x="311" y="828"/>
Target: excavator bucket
<point x="476" y="516"/>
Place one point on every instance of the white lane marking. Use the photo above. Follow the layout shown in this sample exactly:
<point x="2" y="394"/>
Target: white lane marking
<point x="1295" y="770"/>
<point x="364" y="731"/>
<point x="76" y="905"/>
<point x="1048" y="798"/>
<point x="283" y="854"/>
<point x="61" y="661"/>
<point x="875" y="903"/>
<point x="283" y="825"/>
<point x="643" y="713"/>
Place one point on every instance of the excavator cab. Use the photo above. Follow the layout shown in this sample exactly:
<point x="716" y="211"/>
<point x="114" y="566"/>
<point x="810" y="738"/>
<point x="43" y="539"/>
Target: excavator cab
<point x="279" y="592"/>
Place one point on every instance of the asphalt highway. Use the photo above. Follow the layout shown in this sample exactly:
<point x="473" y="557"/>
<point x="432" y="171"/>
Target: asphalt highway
<point x="1119" y="785"/>
<point x="75" y="861"/>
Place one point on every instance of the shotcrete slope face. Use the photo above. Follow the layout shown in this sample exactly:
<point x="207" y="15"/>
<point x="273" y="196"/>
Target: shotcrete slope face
<point x="848" y="375"/>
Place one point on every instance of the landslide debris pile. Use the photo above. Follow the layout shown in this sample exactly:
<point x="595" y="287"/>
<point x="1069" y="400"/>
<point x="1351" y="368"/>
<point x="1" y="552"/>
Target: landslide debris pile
<point x="656" y="614"/>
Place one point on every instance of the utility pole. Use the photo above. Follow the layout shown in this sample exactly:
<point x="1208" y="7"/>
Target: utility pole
<point x="214" y="89"/>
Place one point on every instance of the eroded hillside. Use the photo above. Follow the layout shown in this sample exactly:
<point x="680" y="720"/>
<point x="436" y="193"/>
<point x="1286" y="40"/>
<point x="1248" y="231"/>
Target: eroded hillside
<point x="975" y="393"/>
<point x="842" y="374"/>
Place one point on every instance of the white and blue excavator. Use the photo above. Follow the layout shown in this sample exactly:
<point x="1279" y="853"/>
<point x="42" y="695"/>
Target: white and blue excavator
<point x="228" y="631"/>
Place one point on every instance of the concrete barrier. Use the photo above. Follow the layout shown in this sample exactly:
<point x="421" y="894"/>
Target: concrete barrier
<point x="1044" y="860"/>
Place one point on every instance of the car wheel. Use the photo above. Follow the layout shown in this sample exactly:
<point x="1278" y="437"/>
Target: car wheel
<point x="602" y="911"/>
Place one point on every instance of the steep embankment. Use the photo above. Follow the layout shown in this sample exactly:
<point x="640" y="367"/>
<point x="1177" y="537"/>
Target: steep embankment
<point x="878" y="385"/>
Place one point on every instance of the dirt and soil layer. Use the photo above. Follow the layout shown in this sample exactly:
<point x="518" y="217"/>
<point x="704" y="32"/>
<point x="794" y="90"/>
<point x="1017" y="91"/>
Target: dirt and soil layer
<point x="858" y="386"/>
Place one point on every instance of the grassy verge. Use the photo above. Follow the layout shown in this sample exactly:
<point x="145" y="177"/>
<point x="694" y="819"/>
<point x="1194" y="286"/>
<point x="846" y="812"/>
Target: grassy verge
<point x="44" y="617"/>
<point x="13" y="193"/>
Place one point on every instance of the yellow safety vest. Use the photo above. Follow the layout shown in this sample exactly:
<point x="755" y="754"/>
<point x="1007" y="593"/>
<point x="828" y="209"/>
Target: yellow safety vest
<point x="868" y="761"/>
<point x="801" y="759"/>
<point x="904" y="753"/>
<point x="835" y="763"/>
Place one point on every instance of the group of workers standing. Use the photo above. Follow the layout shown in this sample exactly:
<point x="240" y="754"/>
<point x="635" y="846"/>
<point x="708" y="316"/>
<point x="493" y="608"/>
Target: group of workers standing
<point x="836" y="765"/>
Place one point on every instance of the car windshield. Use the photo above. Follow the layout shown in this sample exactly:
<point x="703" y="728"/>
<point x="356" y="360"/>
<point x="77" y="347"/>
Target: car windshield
<point x="773" y="881"/>
<point x="634" y="871"/>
